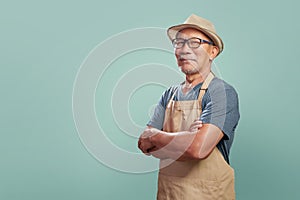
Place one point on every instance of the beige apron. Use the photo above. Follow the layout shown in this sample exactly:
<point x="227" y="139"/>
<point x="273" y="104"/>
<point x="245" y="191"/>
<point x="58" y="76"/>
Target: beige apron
<point x="208" y="179"/>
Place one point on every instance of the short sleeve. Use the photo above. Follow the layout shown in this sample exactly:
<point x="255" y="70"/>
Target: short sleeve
<point x="157" y="119"/>
<point x="221" y="108"/>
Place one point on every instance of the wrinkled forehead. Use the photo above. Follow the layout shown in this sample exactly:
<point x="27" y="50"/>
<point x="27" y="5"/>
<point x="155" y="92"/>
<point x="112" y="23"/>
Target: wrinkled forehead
<point x="191" y="32"/>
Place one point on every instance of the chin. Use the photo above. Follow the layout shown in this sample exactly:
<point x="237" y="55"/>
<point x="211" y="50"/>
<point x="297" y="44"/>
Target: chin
<point x="189" y="69"/>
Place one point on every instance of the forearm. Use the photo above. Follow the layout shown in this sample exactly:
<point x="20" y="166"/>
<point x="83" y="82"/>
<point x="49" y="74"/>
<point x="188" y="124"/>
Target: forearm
<point x="177" y="146"/>
<point x="165" y="144"/>
<point x="186" y="145"/>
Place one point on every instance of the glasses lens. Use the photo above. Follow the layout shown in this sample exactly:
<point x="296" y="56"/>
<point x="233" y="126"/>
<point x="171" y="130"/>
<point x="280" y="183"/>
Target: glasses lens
<point x="178" y="43"/>
<point x="194" y="43"/>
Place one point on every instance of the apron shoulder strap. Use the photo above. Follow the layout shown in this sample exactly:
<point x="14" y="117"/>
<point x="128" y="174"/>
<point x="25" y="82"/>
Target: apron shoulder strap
<point x="172" y="97"/>
<point x="204" y="87"/>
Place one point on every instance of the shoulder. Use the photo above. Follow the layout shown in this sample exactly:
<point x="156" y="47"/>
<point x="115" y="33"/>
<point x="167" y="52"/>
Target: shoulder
<point x="219" y="87"/>
<point x="167" y="94"/>
<point x="172" y="89"/>
<point x="220" y="93"/>
<point x="218" y="83"/>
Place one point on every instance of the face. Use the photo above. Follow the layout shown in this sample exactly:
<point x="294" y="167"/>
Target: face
<point x="194" y="60"/>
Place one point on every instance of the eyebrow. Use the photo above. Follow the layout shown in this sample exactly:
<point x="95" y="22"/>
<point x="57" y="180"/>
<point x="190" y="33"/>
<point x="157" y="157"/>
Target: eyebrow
<point x="179" y="32"/>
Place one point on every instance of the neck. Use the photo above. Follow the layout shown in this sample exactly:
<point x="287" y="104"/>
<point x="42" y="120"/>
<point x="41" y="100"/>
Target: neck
<point x="194" y="79"/>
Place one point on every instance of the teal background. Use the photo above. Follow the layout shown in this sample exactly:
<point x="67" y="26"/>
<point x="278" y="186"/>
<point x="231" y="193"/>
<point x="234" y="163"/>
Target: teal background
<point x="43" y="44"/>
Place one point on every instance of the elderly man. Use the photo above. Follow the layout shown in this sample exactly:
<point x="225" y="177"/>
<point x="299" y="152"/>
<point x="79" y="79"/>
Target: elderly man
<point x="192" y="128"/>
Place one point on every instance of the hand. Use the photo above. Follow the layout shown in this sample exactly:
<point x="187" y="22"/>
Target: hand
<point x="144" y="143"/>
<point x="195" y="126"/>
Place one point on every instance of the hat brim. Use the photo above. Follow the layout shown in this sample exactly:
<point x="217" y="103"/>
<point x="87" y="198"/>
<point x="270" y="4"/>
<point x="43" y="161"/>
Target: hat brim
<point x="173" y="30"/>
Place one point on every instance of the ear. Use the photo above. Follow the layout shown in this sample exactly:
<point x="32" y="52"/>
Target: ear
<point x="214" y="52"/>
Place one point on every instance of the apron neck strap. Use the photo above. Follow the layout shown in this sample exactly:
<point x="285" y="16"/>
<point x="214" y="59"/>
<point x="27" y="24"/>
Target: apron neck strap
<point x="204" y="87"/>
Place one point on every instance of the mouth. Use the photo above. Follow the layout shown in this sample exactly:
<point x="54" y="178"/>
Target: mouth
<point x="185" y="57"/>
<point x="185" y="60"/>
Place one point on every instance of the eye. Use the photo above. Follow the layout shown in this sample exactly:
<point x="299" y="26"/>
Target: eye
<point x="178" y="43"/>
<point x="195" y="43"/>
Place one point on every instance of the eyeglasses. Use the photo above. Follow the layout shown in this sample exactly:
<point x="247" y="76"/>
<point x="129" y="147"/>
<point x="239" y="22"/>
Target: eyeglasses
<point x="191" y="42"/>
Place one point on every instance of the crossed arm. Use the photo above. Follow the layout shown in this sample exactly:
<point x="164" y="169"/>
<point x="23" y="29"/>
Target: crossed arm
<point x="195" y="143"/>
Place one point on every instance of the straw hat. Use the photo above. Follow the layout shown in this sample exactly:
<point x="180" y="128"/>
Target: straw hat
<point x="200" y="24"/>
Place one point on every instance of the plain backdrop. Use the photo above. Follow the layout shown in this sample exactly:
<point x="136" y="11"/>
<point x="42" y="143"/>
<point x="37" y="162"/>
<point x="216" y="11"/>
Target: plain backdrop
<point x="43" y="44"/>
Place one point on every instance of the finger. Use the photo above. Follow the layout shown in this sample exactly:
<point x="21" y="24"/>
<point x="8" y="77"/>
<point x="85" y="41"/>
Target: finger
<point x="151" y="149"/>
<point x="198" y="120"/>
<point x="195" y="127"/>
<point x="147" y="133"/>
<point x="195" y="124"/>
<point x="144" y="146"/>
<point x="198" y="123"/>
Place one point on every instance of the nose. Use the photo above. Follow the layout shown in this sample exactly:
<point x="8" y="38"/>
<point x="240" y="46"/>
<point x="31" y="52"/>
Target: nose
<point x="185" y="45"/>
<point x="185" y="49"/>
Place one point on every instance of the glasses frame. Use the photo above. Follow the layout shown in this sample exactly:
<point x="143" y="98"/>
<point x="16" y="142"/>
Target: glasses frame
<point x="202" y="41"/>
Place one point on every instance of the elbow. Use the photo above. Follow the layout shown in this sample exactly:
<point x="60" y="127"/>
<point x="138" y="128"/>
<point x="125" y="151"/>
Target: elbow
<point x="198" y="155"/>
<point x="203" y="155"/>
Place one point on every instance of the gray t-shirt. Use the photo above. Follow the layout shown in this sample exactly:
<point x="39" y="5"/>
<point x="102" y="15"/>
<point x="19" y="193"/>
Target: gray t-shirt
<point x="220" y="107"/>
